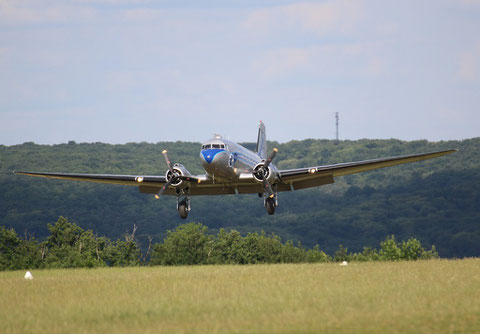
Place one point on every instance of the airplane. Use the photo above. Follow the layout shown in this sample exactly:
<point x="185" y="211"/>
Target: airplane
<point x="230" y="168"/>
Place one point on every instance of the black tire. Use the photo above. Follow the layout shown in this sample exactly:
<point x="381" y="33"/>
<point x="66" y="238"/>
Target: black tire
<point x="182" y="210"/>
<point x="270" y="205"/>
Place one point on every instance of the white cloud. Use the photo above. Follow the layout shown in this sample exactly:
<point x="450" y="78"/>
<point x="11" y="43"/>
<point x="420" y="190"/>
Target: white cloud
<point x="467" y="2"/>
<point x="318" y="18"/>
<point x="114" y="2"/>
<point x="324" y="60"/>
<point x="282" y="61"/>
<point x="469" y="64"/>
<point x="15" y="13"/>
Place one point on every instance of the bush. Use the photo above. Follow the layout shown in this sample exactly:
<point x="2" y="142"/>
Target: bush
<point x="69" y="246"/>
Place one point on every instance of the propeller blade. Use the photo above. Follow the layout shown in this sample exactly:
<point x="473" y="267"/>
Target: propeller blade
<point x="270" y="158"/>
<point x="266" y="185"/>
<point x="165" y="187"/>
<point x="169" y="163"/>
<point x="268" y="188"/>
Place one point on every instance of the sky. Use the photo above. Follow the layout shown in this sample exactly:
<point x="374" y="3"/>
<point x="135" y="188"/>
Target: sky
<point x="119" y="71"/>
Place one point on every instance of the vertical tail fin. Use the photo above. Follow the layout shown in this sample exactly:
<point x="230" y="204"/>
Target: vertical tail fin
<point x="262" y="141"/>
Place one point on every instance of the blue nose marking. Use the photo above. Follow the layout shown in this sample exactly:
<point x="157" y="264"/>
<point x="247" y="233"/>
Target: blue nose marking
<point x="210" y="154"/>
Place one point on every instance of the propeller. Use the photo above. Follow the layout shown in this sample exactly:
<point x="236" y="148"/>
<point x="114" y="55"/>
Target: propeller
<point x="170" y="180"/>
<point x="175" y="176"/>
<point x="169" y="163"/>
<point x="264" y="170"/>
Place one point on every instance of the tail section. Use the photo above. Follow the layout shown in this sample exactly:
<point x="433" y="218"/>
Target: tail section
<point x="262" y="141"/>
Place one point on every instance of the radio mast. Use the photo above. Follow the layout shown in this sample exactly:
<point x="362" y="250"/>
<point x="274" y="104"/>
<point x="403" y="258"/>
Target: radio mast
<point x="336" y="126"/>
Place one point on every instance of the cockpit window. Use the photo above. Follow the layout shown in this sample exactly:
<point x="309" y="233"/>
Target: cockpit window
<point x="210" y="146"/>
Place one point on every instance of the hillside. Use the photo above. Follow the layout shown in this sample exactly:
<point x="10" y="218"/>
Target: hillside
<point x="436" y="201"/>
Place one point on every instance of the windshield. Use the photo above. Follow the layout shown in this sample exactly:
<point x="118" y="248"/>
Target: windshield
<point x="213" y="146"/>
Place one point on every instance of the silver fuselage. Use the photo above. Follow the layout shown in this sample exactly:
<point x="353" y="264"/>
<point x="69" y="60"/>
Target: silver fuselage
<point x="226" y="161"/>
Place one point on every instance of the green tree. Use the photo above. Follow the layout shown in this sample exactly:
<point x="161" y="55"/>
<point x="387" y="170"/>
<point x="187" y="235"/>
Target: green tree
<point x="226" y="248"/>
<point x="292" y="254"/>
<point x="389" y="249"/>
<point x="69" y="246"/>
<point x="315" y="255"/>
<point x="187" y="244"/>
<point x="17" y="253"/>
<point x="121" y="253"/>
<point x="341" y="254"/>
<point x="9" y="241"/>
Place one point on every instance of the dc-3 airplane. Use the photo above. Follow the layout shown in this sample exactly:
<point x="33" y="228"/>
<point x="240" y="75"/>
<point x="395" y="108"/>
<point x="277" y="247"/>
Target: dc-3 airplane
<point x="232" y="169"/>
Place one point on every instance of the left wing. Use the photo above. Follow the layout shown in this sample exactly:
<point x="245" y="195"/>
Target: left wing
<point x="151" y="184"/>
<point x="128" y="180"/>
<point x="315" y="176"/>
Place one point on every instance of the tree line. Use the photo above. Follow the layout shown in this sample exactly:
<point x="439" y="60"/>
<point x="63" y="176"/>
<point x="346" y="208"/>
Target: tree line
<point x="70" y="246"/>
<point x="435" y="201"/>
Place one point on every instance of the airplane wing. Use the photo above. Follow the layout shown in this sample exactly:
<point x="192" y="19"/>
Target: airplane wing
<point x="151" y="184"/>
<point x="146" y="183"/>
<point x="300" y="178"/>
<point x="129" y="180"/>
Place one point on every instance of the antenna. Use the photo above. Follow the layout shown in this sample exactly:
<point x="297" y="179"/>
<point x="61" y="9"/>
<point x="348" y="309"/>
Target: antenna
<point x="336" y="126"/>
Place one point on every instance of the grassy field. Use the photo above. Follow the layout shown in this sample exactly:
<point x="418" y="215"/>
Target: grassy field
<point x="439" y="296"/>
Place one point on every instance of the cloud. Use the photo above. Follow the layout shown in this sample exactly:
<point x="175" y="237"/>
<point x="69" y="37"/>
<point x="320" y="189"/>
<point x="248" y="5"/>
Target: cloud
<point x="145" y="15"/>
<point x="469" y="64"/>
<point x="15" y="13"/>
<point x="467" y="2"/>
<point x="114" y="2"/>
<point x="278" y="62"/>
<point x="317" y="18"/>
<point x="324" y="60"/>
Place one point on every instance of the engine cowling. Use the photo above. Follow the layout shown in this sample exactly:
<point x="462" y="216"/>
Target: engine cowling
<point x="260" y="172"/>
<point x="178" y="170"/>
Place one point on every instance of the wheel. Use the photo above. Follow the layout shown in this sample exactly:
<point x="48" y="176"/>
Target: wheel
<point x="270" y="205"/>
<point x="182" y="210"/>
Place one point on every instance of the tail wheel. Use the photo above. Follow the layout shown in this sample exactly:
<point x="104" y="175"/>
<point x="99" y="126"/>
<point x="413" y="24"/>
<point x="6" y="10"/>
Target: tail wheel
<point x="182" y="209"/>
<point x="270" y="205"/>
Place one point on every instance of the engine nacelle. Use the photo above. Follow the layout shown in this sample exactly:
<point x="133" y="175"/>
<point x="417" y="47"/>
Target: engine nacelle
<point x="178" y="170"/>
<point x="259" y="172"/>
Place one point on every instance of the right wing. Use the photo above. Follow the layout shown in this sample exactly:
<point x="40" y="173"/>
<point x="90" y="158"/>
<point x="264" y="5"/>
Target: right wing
<point x="300" y="178"/>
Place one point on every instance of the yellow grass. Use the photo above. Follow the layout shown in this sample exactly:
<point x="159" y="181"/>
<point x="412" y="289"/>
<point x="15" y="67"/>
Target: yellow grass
<point x="436" y="296"/>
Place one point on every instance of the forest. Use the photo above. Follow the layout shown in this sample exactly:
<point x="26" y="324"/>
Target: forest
<point x="436" y="202"/>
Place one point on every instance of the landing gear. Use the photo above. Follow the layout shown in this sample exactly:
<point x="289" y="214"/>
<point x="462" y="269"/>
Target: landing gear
<point x="183" y="210"/>
<point x="183" y="205"/>
<point x="270" y="204"/>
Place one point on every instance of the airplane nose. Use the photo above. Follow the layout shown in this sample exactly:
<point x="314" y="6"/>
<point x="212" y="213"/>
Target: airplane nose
<point x="209" y="155"/>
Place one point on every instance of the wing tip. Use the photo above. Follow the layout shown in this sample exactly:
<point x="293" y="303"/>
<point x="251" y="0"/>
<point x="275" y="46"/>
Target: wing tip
<point x="449" y="151"/>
